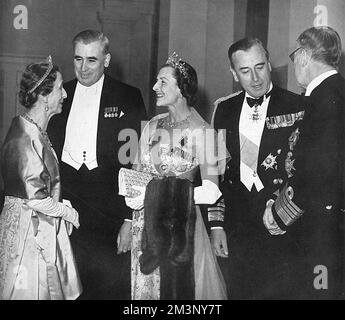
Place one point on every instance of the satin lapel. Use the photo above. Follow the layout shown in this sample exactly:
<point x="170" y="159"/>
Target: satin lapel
<point x="62" y="122"/>
<point x="70" y="90"/>
<point x="233" y="128"/>
<point x="105" y="129"/>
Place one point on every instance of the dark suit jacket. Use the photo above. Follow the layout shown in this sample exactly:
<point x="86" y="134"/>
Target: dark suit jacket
<point x="273" y="141"/>
<point x="95" y="193"/>
<point x="318" y="184"/>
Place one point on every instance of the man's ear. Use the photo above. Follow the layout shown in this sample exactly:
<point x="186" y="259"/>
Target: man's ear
<point x="234" y="74"/>
<point x="304" y="57"/>
<point x="269" y="66"/>
<point x="107" y="60"/>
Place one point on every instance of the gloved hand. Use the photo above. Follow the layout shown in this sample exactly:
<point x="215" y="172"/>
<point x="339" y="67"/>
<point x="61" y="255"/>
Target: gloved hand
<point x="136" y="203"/>
<point x="52" y="208"/>
<point x="71" y="215"/>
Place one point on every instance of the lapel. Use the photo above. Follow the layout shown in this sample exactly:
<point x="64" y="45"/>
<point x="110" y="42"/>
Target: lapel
<point x="70" y="90"/>
<point x="108" y="128"/>
<point x="233" y="119"/>
<point x="102" y="126"/>
<point x="59" y="129"/>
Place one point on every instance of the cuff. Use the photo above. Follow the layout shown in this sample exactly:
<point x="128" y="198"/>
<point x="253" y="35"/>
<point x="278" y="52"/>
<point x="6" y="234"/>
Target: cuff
<point x="215" y="213"/>
<point x="285" y="208"/>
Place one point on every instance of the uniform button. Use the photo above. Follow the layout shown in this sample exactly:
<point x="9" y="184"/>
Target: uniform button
<point x="329" y="207"/>
<point x="275" y="181"/>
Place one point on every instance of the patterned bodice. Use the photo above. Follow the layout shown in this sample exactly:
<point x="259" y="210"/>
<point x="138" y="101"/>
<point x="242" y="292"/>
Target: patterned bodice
<point x="171" y="151"/>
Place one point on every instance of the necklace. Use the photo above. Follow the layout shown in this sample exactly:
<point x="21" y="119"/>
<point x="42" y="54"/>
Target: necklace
<point x="43" y="133"/>
<point x="169" y="124"/>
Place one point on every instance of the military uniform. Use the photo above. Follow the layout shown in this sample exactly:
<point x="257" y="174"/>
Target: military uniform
<point x="310" y="207"/>
<point x="257" y="267"/>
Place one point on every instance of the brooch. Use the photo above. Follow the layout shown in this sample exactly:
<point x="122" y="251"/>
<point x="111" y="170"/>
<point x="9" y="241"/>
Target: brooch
<point x="293" y="138"/>
<point x="255" y="116"/>
<point x="270" y="162"/>
<point x="289" y="164"/>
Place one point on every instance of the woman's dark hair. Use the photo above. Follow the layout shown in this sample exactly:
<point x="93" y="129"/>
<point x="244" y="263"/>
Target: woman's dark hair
<point x="32" y="74"/>
<point x="187" y="81"/>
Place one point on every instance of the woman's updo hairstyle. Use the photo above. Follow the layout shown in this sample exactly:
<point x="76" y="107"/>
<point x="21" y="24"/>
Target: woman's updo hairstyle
<point x="186" y="78"/>
<point x="37" y="79"/>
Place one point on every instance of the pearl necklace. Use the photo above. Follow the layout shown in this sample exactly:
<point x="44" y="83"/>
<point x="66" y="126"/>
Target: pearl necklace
<point x="43" y="133"/>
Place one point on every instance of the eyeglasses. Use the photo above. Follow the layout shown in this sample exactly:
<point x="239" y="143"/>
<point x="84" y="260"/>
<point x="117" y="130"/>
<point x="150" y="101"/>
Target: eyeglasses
<point x="292" y="54"/>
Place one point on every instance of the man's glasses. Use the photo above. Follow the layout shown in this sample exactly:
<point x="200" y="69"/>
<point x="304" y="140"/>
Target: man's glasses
<point x="292" y="54"/>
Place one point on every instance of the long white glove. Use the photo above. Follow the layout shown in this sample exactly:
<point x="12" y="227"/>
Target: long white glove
<point x="136" y="203"/>
<point x="50" y="207"/>
<point x="207" y="193"/>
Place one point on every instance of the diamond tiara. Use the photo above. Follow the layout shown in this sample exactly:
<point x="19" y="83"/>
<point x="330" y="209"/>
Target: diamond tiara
<point x="39" y="82"/>
<point x="175" y="61"/>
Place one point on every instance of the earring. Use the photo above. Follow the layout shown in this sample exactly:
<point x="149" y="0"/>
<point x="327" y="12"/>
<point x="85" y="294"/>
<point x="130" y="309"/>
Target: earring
<point x="46" y="107"/>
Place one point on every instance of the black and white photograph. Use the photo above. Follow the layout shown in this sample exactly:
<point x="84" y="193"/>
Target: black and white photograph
<point x="186" y="151"/>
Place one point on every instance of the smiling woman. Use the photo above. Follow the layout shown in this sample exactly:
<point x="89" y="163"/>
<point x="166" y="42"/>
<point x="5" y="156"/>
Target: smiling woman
<point x="36" y="258"/>
<point x="172" y="256"/>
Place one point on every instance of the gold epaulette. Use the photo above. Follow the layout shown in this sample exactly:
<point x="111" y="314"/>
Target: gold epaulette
<point x="221" y="99"/>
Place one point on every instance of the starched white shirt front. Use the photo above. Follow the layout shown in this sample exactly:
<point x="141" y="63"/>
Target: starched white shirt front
<point x="252" y="130"/>
<point x="81" y="130"/>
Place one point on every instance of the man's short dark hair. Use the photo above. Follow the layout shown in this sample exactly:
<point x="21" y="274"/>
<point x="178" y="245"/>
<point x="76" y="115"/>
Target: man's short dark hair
<point x="245" y="44"/>
<point x="324" y="44"/>
<point x="88" y="36"/>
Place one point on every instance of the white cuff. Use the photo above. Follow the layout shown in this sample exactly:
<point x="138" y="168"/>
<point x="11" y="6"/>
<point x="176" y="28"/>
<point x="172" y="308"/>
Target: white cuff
<point x="213" y="228"/>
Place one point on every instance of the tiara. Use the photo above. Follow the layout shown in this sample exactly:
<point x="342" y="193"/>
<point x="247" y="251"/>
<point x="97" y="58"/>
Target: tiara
<point x="175" y="61"/>
<point x="39" y="82"/>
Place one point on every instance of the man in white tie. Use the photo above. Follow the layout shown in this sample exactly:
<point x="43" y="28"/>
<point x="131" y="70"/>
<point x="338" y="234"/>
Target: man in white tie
<point x="258" y="120"/>
<point x="86" y="139"/>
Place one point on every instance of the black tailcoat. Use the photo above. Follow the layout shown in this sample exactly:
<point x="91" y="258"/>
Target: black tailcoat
<point x="94" y="193"/>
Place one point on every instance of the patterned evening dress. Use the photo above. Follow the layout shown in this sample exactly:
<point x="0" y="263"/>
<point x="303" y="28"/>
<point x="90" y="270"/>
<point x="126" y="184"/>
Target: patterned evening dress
<point x="179" y="150"/>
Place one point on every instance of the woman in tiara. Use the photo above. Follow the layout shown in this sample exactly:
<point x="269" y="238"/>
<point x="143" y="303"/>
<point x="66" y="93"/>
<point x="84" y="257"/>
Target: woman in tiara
<point x="171" y="252"/>
<point x="36" y="258"/>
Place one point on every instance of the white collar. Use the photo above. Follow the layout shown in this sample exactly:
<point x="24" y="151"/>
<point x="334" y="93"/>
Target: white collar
<point x="94" y="89"/>
<point x="317" y="81"/>
<point x="269" y="89"/>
